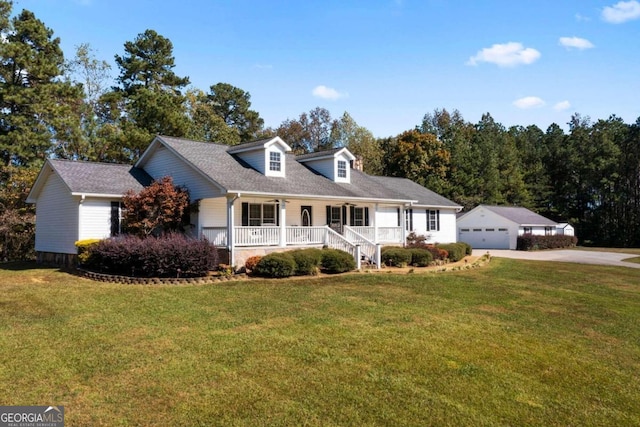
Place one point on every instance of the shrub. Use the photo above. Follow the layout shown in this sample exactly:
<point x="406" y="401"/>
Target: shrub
<point x="420" y="257"/>
<point x="83" y="249"/>
<point x="437" y="253"/>
<point x="468" y="248"/>
<point x="171" y="255"/>
<point x="416" y="240"/>
<point x="277" y="264"/>
<point x="396" y="256"/>
<point x="337" y="261"/>
<point x="251" y="262"/>
<point x="307" y="261"/>
<point x="456" y="251"/>
<point x="531" y="242"/>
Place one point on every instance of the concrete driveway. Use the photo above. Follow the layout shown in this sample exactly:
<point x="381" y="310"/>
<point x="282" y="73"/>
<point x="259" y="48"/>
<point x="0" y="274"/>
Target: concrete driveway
<point x="562" y="255"/>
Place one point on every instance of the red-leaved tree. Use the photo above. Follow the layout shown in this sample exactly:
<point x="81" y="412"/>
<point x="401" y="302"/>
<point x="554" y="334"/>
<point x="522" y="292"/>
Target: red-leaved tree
<point x="161" y="207"/>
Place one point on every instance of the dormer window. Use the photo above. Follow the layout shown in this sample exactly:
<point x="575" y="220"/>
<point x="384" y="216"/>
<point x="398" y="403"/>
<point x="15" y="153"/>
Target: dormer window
<point x="274" y="161"/>
<point x="342" y="169"/>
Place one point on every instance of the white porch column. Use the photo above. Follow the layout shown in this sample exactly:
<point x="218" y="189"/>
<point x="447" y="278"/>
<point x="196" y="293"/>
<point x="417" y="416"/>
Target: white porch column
<point x="283" y="222"/>
<point x="375" y="224"/>
<point x="231" y="229"/>
<point x="403" y="224"/>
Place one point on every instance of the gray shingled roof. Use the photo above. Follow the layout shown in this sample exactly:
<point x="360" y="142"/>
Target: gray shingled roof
<point x="100" y="178"/>
<point x="230" y="172"/>
<point x="414" y="191"/>
<point x="239" y="147"/>
<point x="318" y="154"/>
<point x="520" y="215"/>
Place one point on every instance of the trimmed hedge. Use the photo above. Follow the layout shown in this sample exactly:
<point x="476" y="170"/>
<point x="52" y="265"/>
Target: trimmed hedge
<point x="171" y="255"/>
<point x="456" y="251"/>
<point x="83" y="249"/>
<point x="277" y="264"/>
<point x="251" y="262"/>
<point x="308" y="261"/>
<point x="396" y="256"/>
<point x="420" y="257"/>
<point x="531" y="242"/>
<point x="337" y="261"/>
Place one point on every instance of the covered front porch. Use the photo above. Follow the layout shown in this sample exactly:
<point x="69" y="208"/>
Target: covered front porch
<point x="241" y="223"/>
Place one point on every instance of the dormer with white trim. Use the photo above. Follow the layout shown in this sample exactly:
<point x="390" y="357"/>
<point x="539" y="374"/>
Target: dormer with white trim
<point x="267" y="156"/>
<point x="333" y="164"/>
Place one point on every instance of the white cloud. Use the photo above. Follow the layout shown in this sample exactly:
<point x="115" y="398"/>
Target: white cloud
<point x="562" y="106"/>
<point x="506" y="55"/>
<point x="622" y="11"/>
<point x="582" y="18"/>
<point x="575" y="43"/>
<point x="529" y="102"/>
<point x="264" y="66"/>
<point x="325" y="92"/>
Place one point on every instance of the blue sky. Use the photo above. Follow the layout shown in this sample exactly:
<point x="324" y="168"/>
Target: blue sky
<point x="385" y="62"/>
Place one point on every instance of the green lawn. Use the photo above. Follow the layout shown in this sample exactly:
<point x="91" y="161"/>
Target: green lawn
<point x="512" y="343"/>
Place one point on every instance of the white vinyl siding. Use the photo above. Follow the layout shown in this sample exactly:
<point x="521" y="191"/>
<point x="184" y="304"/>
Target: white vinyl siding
<point x="163" y="163"/>
<point x="213" y="212"/>
<point x="95" y="219"/>
<point x="57" y="218"/>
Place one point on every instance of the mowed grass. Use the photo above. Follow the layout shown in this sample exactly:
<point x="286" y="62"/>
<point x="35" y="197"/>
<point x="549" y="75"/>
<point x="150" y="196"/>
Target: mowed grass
<point x="511" y="343"/>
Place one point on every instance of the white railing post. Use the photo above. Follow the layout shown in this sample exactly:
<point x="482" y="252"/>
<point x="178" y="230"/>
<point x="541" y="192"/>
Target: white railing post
<point x="283" y="223"/>
<point x="358" y="258"/>
<point x="378" y="256"/>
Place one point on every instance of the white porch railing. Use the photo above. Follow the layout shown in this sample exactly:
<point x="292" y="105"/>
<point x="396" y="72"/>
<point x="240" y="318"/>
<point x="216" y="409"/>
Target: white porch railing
<point x="306" y="235"/>
<point x="368" y="233"/>
<point x="215" y="235"/>
<point x="256" y="236"/>
<point x="389" y="235"/>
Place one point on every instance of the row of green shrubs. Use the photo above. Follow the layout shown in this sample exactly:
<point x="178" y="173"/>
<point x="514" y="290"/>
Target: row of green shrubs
<point x="422" y="255"/>
<point x="300" y="262"/>
<point x="531" y="242"/>
<point x="169" y="255"/>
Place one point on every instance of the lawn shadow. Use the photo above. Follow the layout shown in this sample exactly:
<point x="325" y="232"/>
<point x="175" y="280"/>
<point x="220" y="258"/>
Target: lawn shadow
<point x="26" y="265"/>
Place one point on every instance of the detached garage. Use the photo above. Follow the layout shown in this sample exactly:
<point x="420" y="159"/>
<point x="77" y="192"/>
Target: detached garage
<point x="498" y="227"/>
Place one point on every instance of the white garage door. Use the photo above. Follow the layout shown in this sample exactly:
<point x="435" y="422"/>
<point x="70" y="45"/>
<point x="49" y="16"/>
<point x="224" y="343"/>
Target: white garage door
<point x="485" y="238"/>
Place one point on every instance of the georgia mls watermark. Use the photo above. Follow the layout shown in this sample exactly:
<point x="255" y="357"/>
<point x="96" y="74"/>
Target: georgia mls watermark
<point x="31" y="416"/>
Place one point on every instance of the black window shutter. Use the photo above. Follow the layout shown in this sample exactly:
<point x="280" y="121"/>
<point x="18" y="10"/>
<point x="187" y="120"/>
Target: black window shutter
<point x="115" y="218"/>
<point x="366" y="217"/>
<point x="277" y="214"/>
<point x="438" y="220"/>
<point x="427" y="212"/>
<point x="398" y="211"/>
<point x="352" y="215"/>
<point x="344" y="215"/>
<point x="245" y="214"/>
<point x="328" y="215"/>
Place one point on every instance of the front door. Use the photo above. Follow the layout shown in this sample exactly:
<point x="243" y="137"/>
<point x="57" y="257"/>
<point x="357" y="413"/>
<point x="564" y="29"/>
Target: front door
<point x="335" y="221"/>
<point x="305" y="216"/>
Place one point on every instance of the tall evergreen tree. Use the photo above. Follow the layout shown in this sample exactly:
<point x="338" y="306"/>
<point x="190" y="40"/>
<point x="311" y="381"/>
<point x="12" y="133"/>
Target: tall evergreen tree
<point x="149" y="94"/>
<point x="35" y="103"/>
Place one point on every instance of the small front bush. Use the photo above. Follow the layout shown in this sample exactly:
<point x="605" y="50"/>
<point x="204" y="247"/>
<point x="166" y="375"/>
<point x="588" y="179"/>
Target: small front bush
<point x="420" y="257"/>
<point x="307" y="261"/>
<point x="277" y="264"/>
<point x="456" y="251"/>
<point x="170" y="255"/>
<point x="251" y="262"/>
<point x="396" y="257"/>
<point x="337" y="261"/>
<point x="83" y="249"/>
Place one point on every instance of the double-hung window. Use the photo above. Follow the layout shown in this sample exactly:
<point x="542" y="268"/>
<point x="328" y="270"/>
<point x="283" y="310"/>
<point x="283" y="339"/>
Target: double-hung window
<point x="342" y="169"/>
<point x="258" y="214"/>
<point x="275" y="163"/>
<point x="433" y="220"/>
<point x="358" y="217"/>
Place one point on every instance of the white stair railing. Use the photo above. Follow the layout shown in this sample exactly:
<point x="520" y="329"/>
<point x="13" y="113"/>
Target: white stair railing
<point x="367" y="247"/>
